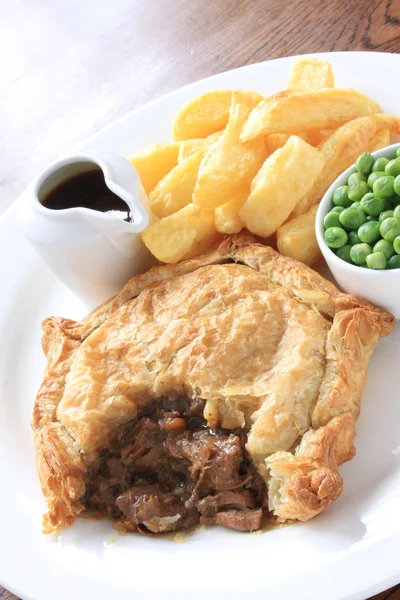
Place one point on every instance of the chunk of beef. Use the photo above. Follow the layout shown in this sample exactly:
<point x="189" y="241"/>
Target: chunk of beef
<point x="158" y="511"/>
<point x="146" y="454"/>
<point x="118" y="472"/>
<point x="214" y="460"/>
<point x="146" y="450"/>
<point x="241" y="520"/>
<point x="196" y="408"/>
<point x="210" y="505"/>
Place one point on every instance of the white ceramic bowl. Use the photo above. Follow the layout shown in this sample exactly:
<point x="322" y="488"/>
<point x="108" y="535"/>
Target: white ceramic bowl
<point x="379" y="287"/>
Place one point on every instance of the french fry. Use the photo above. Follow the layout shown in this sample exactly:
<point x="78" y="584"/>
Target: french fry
<point x="205" y="114"/>
<point x="285" y="177"/>
<point x="227" y="218"/>
<point x="322" y="109"/>
<point x="190" y="147"/>
<point x="154" y="162"/>
<point x="297" y="238"/>
<point x="177" y="236"/>
<point x="340" y="151"/>
<point x="381" y="139"/>
<point x="391" y="122"/>
<point x="260" y="110"/>
<point x="229" y="166"/>
<point x="309" y="74"/>
<point x="175" y="190"/>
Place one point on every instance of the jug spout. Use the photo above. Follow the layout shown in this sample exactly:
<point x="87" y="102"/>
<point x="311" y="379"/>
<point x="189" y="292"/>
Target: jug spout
<point x="93" y="252"/>
<point x="122" y="179"/>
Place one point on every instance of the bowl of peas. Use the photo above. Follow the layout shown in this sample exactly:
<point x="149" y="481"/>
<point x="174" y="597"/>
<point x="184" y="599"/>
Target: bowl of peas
<point x="358" y="228"/>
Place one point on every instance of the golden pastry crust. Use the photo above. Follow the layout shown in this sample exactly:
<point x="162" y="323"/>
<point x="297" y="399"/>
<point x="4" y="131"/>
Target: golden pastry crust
<point x="268" y="343"/>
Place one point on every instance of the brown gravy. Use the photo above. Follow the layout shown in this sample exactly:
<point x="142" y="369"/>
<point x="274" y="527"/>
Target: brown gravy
<point x="87" y="190"/>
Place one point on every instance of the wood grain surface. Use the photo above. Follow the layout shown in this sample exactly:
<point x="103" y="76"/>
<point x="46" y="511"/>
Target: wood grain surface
<point x="70" y="67"/>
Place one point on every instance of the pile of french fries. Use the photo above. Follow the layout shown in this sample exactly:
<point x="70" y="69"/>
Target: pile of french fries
<point x="243" y="161"/>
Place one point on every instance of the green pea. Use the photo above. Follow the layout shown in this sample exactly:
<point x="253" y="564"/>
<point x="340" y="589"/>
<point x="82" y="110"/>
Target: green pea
<point x="380" y="164"/>
<point x="383" y="187"/>
<point x="376" y="260"/>
<point x="353" y="238"/>
<point x="370" y="218"/>
<point x="396" y="212"/>
<point x="398" y="152"/>
<point x="393" y="167"/>
<point x="369" y="232"/>
<point x="396" y="244"/>
<point x="384" y="246"/>
<point x="340" y="196"/>
<point x="364" y="163"/>
<point x="352" y="217"/>
<point x="335" y="237"/>
<point x="394" y="262"/>
<point x="390" y="229"/>
<point x="386" y="214"/>
<point x="359" y="253"/>
<point x="368" y="195"/>
<point x="396" y="185"/>
<point x="357" y="190"/>
<point x="354" y="177"/>
<point x="372" y="205"/>
<point x="373" y="177"/>
<point x="356" y="204"/>
<point x="337" y="209"/>
<point x="344" y="253"/>
<point x="331" y="219"/>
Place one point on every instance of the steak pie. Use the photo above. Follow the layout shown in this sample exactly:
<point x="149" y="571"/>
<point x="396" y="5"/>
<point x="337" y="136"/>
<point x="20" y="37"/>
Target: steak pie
<point x="216" y="390"/>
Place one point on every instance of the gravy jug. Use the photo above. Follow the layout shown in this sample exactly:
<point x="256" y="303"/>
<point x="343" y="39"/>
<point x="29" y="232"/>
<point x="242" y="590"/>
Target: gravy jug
<point x="91" y="244"/>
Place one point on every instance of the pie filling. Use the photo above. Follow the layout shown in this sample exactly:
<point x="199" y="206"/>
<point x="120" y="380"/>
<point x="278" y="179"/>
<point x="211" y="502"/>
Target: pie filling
<point x="169" y="471"/>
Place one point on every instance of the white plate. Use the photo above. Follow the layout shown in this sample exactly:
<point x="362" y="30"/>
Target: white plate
<point x="350" y="552"/>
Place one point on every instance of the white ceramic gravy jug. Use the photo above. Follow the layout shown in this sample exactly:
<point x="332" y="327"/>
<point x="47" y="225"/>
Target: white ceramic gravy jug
<point x="93" y="253"/>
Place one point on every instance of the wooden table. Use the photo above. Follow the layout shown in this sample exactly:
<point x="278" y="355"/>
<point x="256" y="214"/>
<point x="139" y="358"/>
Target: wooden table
<point x="70" y="67"/>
